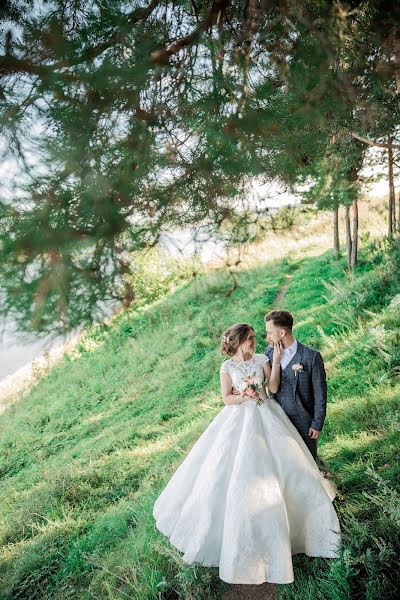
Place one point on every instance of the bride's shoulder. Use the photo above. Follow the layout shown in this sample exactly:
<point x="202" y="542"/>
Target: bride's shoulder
<point x="262" y="358"/>
<point x="225" y="366"/>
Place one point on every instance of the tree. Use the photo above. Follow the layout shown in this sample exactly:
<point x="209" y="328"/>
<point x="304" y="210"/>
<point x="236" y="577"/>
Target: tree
<point x="334" y="182"/>
<point x="146" y="117"/>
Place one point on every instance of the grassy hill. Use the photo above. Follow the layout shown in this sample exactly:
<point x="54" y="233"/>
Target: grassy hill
<point x="86" y="452"/>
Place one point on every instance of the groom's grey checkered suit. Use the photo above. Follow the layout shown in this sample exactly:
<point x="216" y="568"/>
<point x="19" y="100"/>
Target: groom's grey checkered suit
<point x="303" y="396"/>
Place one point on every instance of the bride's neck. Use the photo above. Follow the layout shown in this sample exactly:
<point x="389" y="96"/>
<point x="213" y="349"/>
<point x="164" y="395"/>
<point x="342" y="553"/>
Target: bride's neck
<point x="240" y="355"/>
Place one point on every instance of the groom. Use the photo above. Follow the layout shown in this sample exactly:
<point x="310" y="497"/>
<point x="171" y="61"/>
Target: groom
<point x="302" y="393"/>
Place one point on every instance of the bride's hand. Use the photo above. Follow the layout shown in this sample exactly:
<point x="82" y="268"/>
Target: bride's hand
<point x="278" y="349"/>
<point x="245" y="397"/>
<point x="237" y="392"/>
<point x="254" y="396"/>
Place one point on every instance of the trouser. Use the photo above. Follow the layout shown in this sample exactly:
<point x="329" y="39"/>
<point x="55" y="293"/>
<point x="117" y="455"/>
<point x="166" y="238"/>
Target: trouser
<point x="303" y="427"/>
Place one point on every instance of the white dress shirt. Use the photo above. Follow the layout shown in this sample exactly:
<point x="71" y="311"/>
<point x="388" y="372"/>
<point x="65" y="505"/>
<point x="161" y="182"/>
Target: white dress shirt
<point x="288" y="354"/>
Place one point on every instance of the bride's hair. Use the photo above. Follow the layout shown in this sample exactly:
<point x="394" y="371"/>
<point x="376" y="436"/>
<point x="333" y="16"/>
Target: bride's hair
<point x="233" y="337"/>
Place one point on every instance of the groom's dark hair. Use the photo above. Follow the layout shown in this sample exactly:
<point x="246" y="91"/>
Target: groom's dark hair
<point x="281" y="318"/>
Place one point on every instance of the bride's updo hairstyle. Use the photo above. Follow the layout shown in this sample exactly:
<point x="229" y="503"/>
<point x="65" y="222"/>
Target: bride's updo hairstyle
<point x="233" y="337"/>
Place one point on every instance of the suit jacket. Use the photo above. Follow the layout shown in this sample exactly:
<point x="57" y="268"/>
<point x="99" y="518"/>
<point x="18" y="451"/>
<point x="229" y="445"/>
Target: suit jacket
<point x="308" y="389"/>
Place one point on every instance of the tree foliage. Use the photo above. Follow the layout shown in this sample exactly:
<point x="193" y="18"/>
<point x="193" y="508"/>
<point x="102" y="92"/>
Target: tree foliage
<point x="132" y="118"/>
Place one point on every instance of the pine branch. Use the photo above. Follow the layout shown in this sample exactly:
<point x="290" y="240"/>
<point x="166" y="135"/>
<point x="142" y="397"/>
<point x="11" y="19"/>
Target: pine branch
<point x="163" y="55"/>
<point x="374" y="142"/>
<point x="140" y="14"/>
<point x="11" y="65"/>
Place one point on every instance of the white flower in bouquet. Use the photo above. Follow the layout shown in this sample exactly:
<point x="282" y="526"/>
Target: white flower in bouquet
<point x="251" y="386"/>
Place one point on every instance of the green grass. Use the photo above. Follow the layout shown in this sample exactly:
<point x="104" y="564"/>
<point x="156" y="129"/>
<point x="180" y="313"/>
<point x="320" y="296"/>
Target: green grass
<point x="85" y="454"/>
<point x="362" y="434"/>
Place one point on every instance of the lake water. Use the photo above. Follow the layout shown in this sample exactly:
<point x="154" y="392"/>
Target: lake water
<point x="17" y="350"/>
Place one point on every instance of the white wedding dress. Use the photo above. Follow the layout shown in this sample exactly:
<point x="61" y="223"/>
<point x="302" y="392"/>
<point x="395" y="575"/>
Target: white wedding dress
<point x="249" y="495"/>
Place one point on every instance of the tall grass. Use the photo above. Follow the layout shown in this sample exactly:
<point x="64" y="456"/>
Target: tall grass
<point x="355" y="320"/>
<point x="85" y="454"/>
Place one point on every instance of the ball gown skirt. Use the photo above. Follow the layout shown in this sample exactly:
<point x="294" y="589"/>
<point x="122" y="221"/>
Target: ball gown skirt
<point x="248" y="496"/>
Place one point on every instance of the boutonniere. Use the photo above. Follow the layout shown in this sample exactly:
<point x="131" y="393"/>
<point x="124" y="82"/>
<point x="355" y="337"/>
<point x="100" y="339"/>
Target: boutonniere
<point x="297" y="368"/>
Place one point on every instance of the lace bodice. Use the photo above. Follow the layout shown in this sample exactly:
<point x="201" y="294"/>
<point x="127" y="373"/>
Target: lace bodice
<point x="238" y="370"/>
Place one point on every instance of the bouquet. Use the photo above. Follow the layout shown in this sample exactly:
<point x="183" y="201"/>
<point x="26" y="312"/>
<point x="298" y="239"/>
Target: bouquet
<point x="251" y="387"/>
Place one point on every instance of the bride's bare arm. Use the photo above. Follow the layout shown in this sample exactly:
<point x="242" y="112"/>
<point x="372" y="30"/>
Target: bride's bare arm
<point x="226" y="391"/>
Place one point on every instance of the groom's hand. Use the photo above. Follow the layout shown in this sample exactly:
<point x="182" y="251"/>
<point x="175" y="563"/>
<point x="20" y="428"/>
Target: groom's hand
<point x="278" y="350"/>
<point x="313" y="433"/>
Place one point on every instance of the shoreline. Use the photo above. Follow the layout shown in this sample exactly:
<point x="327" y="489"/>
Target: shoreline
<point x="14" y="385"/>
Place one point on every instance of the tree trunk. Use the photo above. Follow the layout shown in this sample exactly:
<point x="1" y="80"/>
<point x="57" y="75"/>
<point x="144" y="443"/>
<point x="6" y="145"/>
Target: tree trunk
<point x="398" y="218"/>
<point x="336" y="240"/>
<point x="349" y="243"/>
<point x="392" y="199"/>
<point x="354" y="246"/>
<point x="398" y="214"/>
<point x="396" y="52"/>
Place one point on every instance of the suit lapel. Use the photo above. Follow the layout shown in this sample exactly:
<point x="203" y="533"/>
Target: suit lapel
<point x="269" y="352"/>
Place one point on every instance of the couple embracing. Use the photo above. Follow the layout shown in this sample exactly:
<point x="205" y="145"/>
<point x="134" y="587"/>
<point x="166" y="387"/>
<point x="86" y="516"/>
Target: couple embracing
<point x="250" y="495"/>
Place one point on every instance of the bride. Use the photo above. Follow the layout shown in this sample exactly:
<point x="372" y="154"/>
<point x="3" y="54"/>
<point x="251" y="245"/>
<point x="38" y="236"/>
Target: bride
<point x="249" y="494"/>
